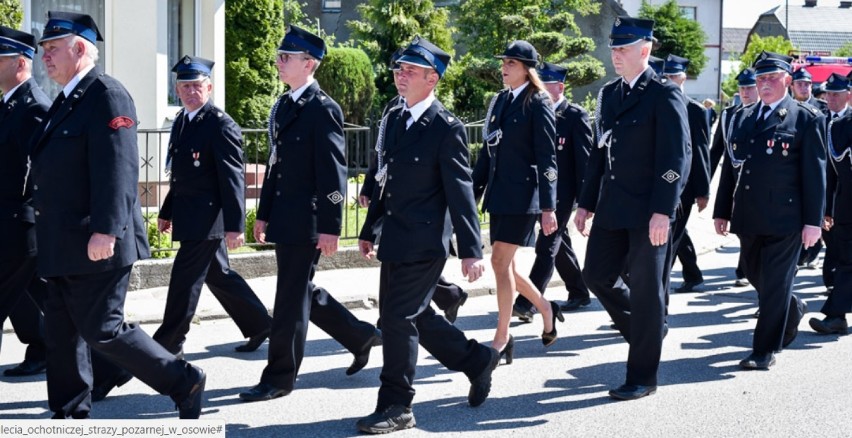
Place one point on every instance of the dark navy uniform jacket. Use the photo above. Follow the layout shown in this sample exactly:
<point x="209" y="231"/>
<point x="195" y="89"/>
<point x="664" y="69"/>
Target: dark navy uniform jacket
<point x="305" y="187"/>
<point x="519" y="174"/>
<point x="644" y="169"/>
<point x="773" y="194"/>
<point x="838" y="193"/>
<point x="573" y="143"/>
<point x="206" y="200"/>
<point x="698" y="183"/>
<point x="717" y="149"/>
<point x="85" y="180"/>
<point x="428" y="192"/>
<point x="19" y="118"/>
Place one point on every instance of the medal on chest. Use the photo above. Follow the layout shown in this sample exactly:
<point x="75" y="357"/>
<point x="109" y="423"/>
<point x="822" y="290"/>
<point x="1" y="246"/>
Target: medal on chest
<point x="196" y="156"/>
<point x="769" y="145"/>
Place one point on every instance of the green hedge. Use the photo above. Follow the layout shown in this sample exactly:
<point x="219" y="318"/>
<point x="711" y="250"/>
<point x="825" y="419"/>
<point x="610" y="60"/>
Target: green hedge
<point x="347" y="76"/>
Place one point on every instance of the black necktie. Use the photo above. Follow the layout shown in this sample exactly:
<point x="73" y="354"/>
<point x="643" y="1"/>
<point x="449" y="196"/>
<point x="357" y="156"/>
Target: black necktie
<point x="764" y="111"/>
<point x="403" y="123"/>
<point x="625" y="90"/>
<point x="834" y="115"/>
<point x="56" y="104"/>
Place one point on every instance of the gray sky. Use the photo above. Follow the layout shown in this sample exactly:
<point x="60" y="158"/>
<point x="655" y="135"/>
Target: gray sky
<point x="743" y="13"/>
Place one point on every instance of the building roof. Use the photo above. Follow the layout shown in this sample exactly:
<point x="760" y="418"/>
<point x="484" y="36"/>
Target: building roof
<point x="734" y="39"/>
<point x="814" y="28"/>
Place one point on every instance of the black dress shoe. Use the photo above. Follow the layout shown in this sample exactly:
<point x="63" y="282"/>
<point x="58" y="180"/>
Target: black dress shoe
<point x="576" y="303"/>
<point x="452" y="312"/>
<point x="758" y="361"/>
<point x="830" y="325"/>
<point x="523" y="313"/>
<point x="99" y="392"/>
<point x="263" y="392"/>
<point x="741" y="282"/>
<point x="480" y="386"/>
<point x="363" y="355"/>
<point x="391" y="419"/>
<point x="688" y="286"/>
<point x="254" y="342"/>
<point x="631" y="392"/>
<point x="190" y="407"/>
<point x="26" y="368"/>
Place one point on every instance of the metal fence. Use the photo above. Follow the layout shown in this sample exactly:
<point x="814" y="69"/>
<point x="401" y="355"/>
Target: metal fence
<point x="360" y="141"/>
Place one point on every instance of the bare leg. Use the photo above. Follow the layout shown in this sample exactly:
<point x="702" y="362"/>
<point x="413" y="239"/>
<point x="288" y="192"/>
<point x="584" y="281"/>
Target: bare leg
<point x="502" y="256"/>
<point x="531" y="293"/>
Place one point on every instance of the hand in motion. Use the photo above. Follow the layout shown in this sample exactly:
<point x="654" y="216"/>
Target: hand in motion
<point x="580" y="219"/>
<point x="472" y="268"/>
<point x="101" y="246"/>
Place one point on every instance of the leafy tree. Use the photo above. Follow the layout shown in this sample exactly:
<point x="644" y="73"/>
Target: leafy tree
<point x="11" y="13"/>
<point x="547" y="24"/>
<point x="351" y="74"/>
<point x="387" y="25"/>
<point x="677" y="35"/>
<point x="756" y="44"/>
<point x="844" y="50"/>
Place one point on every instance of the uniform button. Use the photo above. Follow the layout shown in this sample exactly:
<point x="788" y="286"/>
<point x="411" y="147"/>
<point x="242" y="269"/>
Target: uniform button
<point x="748" y="156"/>
<point x="389" y="195"/>
<point x="528" y="178"/>
<point x="752" y="140"/>
<point x="390" y="213"/>
<point x="617" y="122"/>
<point x="279" y="160"/>
<point x="615" y="140"/>
<point x="515" y="120"/>
<point x="416" y="158"/>
<point x="790" y="200"/>
<point x="748" y="171"/>
<point x="747" y="187"/>
<point x="64" y="132"/>
<point x="612" y="159"/>
<point x="278" y="193"/>
<point x="391" y="160"/>
<point x="37" y="213"/>
<point x="298" y="138"/>
<point x="176" y="150"/>
<point x="612" y="177"/>
<point x="174" y="179"/>
<point x="211" y="204"/>
<point x="279" y="142"/>
<point x="390" y="177"/>
<point x="15" y="215"/>
<point x="279" y="176"/>
<point x="35" y="187"/>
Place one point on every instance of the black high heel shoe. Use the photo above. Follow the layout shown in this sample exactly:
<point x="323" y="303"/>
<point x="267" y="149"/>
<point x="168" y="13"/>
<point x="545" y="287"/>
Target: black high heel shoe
<point x="508" y="351"/>
<point x="548" y="338"/>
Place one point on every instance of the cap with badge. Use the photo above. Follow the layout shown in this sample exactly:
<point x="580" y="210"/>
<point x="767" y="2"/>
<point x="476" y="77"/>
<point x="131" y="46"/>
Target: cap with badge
<point x="298" y="40"/>
<point x="802" y="75"/>
<point x="675" y="65"/>
<point x="837" y="83"/>
<point x="768" y="62"/>
<point x="551" y="73"/>
<point x="14" y="42"/>
<point x="193" y="68"/>
<point x="423" y="53"/>
<point x="746" y="78"/>
<point x="656" y="64"/>
<point x="61" y="24"/>
<point x="628" y="30"/>
<point x="522" y="51"/>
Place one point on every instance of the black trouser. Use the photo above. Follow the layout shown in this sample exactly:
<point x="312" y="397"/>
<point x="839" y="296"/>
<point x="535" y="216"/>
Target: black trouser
<point x="200" y="262"/>
<point x="297" y="302"/>
<point x="682" y="244"/>
<point x="405" y="290"/>
<point x="771" y="267"/>
<point x="83" y="311"/>
<point x="22" y="296"/>
<point x="638" y="310"/>
<point x="839" y="301"/>
<point x="830" y="259"/>
<point x="555" y="252"/>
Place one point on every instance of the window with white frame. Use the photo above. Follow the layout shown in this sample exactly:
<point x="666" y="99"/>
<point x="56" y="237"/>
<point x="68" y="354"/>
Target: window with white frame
<point x="331" y="5"/>
<point x="690" y="12"/>
<point x="38" y="12"/>
<point x="181" y="39"/>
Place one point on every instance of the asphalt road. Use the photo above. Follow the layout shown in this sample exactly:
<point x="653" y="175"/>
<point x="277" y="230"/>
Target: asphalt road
<point x="558" y="391"/>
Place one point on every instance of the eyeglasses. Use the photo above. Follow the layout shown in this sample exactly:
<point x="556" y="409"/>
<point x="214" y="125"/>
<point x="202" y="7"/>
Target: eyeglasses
<point x="287" y="57"/>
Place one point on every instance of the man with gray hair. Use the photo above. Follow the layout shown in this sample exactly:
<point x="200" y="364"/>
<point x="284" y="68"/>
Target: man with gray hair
<point x="85" y="174"/>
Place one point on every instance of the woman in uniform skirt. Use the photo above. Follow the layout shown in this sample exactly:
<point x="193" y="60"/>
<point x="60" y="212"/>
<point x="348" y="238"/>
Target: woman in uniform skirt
<point x="516" y="170"/>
